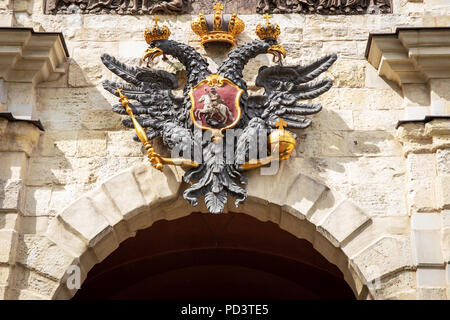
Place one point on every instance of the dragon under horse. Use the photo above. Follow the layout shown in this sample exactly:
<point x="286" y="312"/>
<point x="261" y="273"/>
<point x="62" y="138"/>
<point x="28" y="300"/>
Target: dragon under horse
<point x="156" y="112"/>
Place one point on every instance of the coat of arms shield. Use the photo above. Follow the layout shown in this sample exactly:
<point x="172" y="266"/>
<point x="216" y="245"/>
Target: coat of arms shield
<point x="215" y="104"/>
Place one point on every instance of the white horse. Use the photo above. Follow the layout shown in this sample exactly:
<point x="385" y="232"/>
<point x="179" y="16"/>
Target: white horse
<point x="210" y="110"/>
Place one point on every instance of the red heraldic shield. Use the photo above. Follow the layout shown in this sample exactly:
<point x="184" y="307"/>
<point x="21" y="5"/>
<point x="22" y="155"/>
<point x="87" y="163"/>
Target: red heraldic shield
<point x="215" y="103"/>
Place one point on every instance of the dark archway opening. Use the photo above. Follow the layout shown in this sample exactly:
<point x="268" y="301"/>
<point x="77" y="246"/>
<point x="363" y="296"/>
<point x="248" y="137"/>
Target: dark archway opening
<point x="204" y="256"/>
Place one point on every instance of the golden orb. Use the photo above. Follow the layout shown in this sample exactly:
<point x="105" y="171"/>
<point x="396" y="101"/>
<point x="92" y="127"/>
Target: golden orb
<point x="282" y="141"/>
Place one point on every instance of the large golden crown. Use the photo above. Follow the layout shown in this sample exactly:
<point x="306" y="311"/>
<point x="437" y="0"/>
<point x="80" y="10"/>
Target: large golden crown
<point x="218" y="27"/>
<point x="156" y="33"/>
<point x="269" y="30"/>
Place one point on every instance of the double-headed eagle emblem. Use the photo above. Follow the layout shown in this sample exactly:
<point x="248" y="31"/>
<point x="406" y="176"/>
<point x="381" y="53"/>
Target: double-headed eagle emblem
<point x="215" y="103"/>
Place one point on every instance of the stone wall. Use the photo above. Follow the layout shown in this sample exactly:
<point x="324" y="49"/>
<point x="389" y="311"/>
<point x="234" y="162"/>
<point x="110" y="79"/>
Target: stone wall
<point x="353" y="147"/>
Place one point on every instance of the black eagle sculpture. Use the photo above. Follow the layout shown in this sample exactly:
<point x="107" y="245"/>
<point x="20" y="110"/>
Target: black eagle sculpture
<point x="162" y="114"/>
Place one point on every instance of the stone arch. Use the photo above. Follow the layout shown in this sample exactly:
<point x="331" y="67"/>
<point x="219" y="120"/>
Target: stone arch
<point x="93" y="226"/>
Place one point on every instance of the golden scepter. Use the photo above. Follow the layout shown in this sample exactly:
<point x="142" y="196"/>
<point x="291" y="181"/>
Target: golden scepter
<point x="155" y="158"/>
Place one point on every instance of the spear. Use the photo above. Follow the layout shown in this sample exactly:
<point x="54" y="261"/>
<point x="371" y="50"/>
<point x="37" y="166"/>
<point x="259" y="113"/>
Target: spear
<point x="155" y="158"/>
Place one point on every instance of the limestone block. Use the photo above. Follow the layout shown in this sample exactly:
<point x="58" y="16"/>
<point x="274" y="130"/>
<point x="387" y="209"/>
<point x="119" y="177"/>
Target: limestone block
<point x="34" y="225"/>
<point x="33" y="282"/>
<point x="9" y="221"/>
<point x="302" y="195"/>
<point x="8" y="243"/>
<point x="375" y="143"/>
<point x="343" y="222"/>
<point x="35" y="252"/>
<point x="37" y="200"/>
<point x="13" y="165"/>
<point x="120" y="143"/>
<point x="82" y="217"/>
<point x="29" y="295"/>
<point x="20" y="137"/>
<point x="60" y="233"/>
<point x="101" y="120"/>
<point x="45" y="171"/>
<point x="426" y="221"/>
<point x="431" y="294"/>
<point x="58" y="143"/>
<point x="421" y="166"/>
<point x="4" y="274"/>
<point x="126" y="194"/>
<point x="393" y="285"/>
<point x="438" y="127"/>
<point x="332" y="120"/>
<point x="373" y="198"/>
<point x="62" y="196"/>
<point x="376" y="119"/>
<point x="91" y="144"/>
<point x="10" y="194"/>
<point x="443" y="190"/>
<point x="105" y="246"/>
<point x="373" y="80"/>
<point x="348" y="73"/>
<point x="158" y="186"/>
<point x="422" y="195"/>
<point x="427" y="250"/>
<point x="384" y="257"/>
<point x="62" y="120"/>
<point x="262" y="212"/>
<point x="288" y="188"/>
<point x="443" y="161"/>
<point x="378" y="227"/>
<point x="103" y="204"/>
<point x="302" y="229"/>
<point x="431" y="278"/>
<point x="87" y="56"/>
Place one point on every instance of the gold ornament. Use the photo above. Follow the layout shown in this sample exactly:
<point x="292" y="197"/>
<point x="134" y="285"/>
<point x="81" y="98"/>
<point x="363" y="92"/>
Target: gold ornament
<point x="211" y="28"/>
<point x="156" y="33"/>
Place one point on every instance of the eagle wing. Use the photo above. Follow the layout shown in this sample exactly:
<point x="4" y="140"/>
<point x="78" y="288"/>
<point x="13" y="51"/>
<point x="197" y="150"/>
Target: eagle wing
<point x="156" y="108"/>
<point x="284" y="86"/>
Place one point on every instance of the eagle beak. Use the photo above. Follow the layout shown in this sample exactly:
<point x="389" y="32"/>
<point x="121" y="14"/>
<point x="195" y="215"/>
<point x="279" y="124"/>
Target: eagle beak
<point x="279" y="53"/>
<point x="152" y="53"/>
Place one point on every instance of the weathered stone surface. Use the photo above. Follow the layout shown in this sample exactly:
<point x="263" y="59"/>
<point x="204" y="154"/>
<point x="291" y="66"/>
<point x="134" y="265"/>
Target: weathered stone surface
<point x="443" y="191"/>
<point x="13" y="165"/>
<point x="427" y="247"/>
<point x="383" y="257"/>
<point x="443" y="161"/>
<point x="84" y="218"/>
<point x="392" y="285"/>
<point x="10" y="194"/>
<point x="8" y="243"/>
<point x="103" y="204"/>
<point x="125" y="193"/>
<point x="431" y="278"/>
<point x="343" y="222"/>
<point x="91" y="144"/>
<point x="35" y="252"/>
<point x="19" y="137"/>
<point x="158" y="186"/>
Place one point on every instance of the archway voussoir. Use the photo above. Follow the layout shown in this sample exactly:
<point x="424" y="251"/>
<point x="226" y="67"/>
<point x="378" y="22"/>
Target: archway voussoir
<point x="157" y="186"/>
<point x="106" y="207"/>
<point x="83" y="218"/>
<point x="384" y="257"/>
<point x="124" y="190"/>
<point x="36" y="251"/>
<point x="343" y="223"/>
<point x="303" y="194"/>
<point x="300" y="228"/>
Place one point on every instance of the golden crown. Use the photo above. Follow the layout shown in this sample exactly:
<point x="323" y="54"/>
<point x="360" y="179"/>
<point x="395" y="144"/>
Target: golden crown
<point x="218" y="27"/>
<point x="156" y="33"/>
<point x="269" y="30"/>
